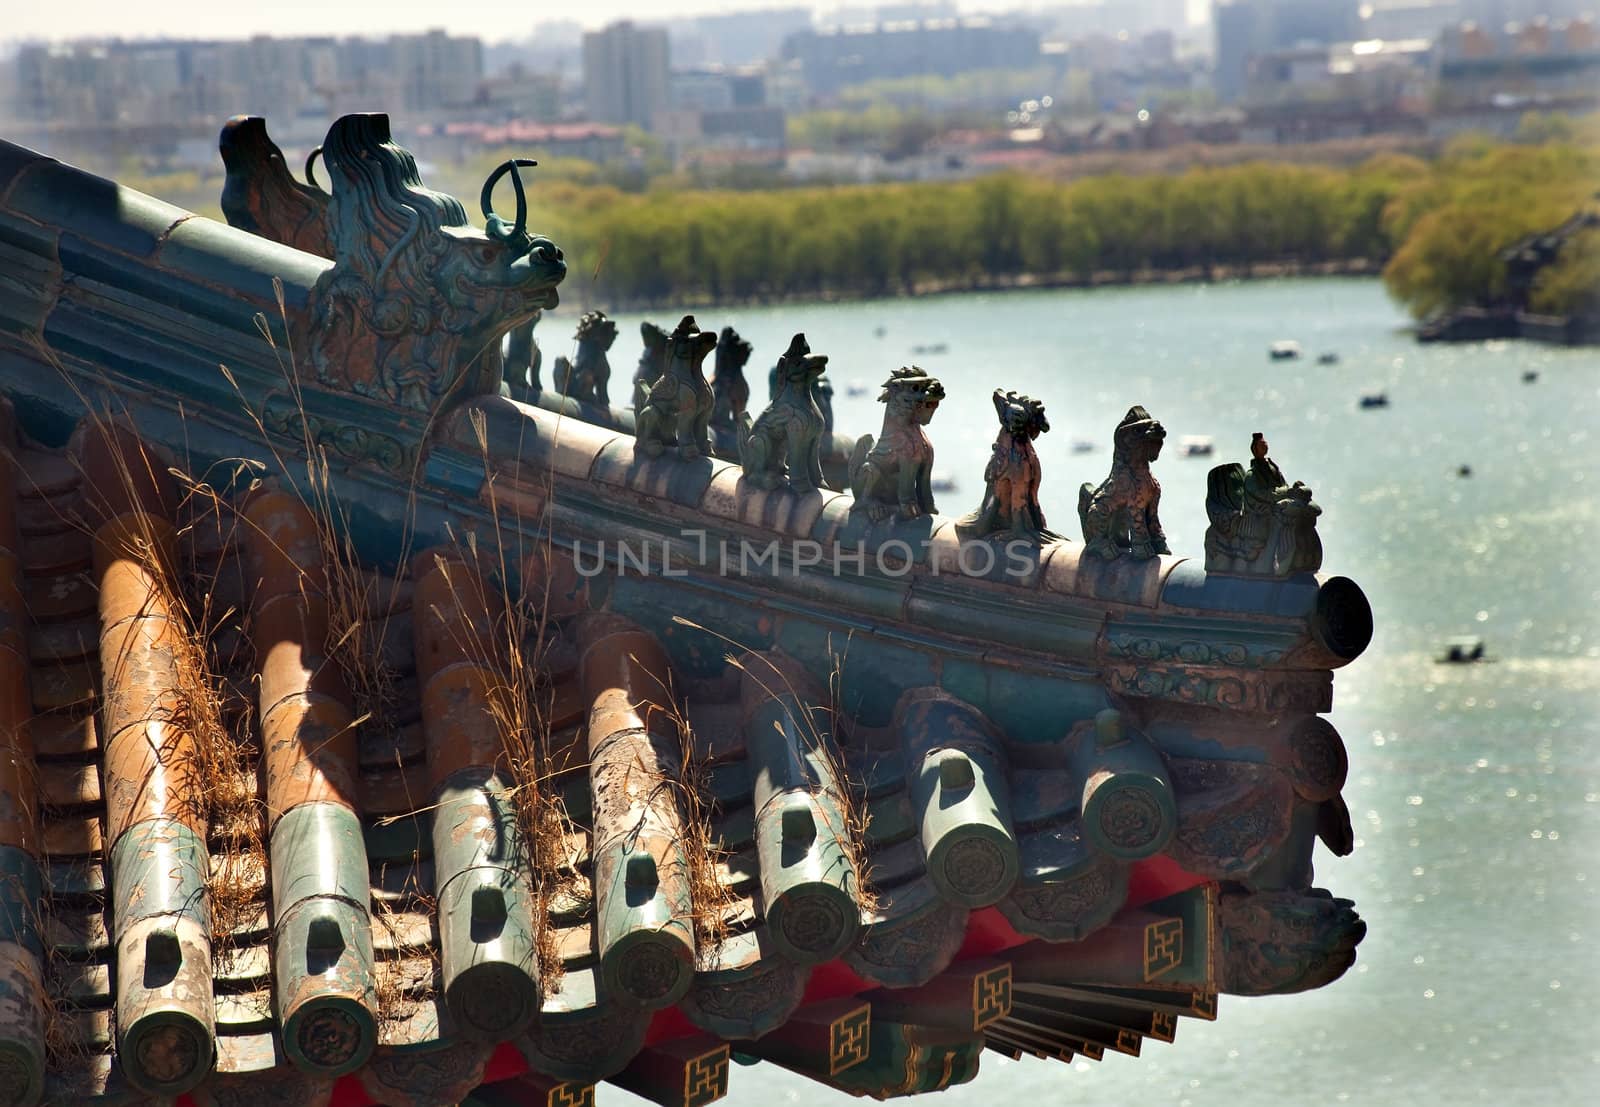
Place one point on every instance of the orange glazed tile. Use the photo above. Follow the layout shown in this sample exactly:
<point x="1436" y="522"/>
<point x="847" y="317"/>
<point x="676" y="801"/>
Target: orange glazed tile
<point x="284" y="543"/>
<point x="152" y="770"/>
<point x="462" y="725"/>
<point x="290" y="637"/>
<point x="120" y="473"/>
<point x="308" y="749"/>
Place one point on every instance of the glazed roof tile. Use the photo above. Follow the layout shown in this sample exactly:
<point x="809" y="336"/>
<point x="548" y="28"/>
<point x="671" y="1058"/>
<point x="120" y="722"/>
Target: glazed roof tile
<point x="451" y="846"/>
<point x="91" y="623"/>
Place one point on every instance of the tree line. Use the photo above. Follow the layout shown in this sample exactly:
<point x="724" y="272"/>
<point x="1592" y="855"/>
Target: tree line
<point x="1450" y="226"/>
<point x="665" y="247"/>
<point x="1437" y="226"/>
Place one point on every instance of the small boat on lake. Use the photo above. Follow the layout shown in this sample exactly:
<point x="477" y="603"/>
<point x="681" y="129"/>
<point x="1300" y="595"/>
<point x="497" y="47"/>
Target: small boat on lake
<point x="1196" y="445"/>
<point x="942" y="482"/>
<point x="1375" y="399"/>
<point x="856" y="389"/>
<point x="1285" y="349"/>
<point x="932" y="348"/>
<point x="1082" y="446"/>
<point x="1328" y="357"/>
<point x="1463" y="470"/>
<point x="1462" y="650"/>
<point x="1529" y="376"/>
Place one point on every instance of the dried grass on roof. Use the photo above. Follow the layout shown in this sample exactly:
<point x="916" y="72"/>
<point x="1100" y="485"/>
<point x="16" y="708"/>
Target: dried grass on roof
<point x="223" y="796"/>
<point x="522" y="705"/>
<point x="846" y="793"/>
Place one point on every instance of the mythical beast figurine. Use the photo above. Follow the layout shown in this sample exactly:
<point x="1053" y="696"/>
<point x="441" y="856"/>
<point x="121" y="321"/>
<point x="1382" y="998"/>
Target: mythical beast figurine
<point x="785" y="444"/>
<point x="652" y="363"/>
<point x="417" y="301"/>
<point x="894" y="473"/>
<point x="677" y="410"/>
<point x="585" y="377"/>
<point x="821" y="393"/>
<point x="1011" y="479"/>
<point x="1120" y="517"/>
<point x="728" y="385"/>
<point x="523" y="362"/>
<point x="261" y="196"/>
<point x="1260" y="524"/>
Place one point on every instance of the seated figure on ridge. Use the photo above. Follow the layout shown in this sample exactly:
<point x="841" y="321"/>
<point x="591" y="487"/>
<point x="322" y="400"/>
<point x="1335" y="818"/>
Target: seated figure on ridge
<point x="1260" y="523"/>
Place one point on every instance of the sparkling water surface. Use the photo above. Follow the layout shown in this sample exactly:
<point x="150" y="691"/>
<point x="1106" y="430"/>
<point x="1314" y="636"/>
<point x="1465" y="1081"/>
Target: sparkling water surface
<point x="1475" y="789"/>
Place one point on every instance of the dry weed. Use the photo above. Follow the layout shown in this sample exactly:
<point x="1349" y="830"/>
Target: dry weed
<point x="847" y="793"/>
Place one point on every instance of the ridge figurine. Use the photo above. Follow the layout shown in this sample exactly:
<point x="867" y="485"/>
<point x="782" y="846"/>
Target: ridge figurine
<point x="652" y="362"/>
<point x="893" y="474"/>
<point x="728" y="386"/>
<point x="523" y="362"/>
<point x="586" y="376"/>
<point x="1260" y="523"/>
<point x="677" y="408"/>
<point x="784" y="445"/>
<point x="1120" y="517"/>
<point x="1011" y="479"/>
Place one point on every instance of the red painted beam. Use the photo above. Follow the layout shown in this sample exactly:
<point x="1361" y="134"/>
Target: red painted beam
<point x="988" y="933"/>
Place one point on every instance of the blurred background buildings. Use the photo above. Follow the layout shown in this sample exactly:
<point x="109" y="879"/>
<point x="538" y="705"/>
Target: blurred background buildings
<point x="905" y="90"/>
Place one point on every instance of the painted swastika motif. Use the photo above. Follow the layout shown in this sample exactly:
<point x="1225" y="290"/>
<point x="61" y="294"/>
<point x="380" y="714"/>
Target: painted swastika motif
<point x="1163" y="947"/>
<point x="570" y="1095"/>
<point x="848" y="1039"/>
<point x="991" y="996"/>
<point x="705" y="1079"/>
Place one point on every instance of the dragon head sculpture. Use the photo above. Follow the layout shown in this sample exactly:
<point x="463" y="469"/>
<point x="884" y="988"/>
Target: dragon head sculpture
<point x="1279" y="942"/>
<point x="417" y="301"/>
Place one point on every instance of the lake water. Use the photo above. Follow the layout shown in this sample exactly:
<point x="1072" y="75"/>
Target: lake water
<point x="1475" y="790"/>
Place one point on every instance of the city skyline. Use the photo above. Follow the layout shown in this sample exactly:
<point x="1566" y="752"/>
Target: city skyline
<point x="492" y="20"/>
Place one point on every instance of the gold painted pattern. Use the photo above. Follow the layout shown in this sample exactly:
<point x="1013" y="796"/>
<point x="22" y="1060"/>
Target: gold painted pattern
<point x="705" y="1078"/>
<point x="1163" y="947"/>
<point x="848" y="1039"/>
<point x="570" y="1095"/>
<point x="991" y="996"/>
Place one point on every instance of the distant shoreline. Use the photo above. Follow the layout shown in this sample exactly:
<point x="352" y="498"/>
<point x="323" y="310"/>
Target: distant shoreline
<point x="1195" y="274"/>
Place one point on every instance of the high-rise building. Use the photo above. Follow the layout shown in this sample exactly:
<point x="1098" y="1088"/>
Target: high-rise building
<point x="735" y="38"/>
<point x="436" y="69"/>
<point x="1239" y="37"/>
<point x="190" y="81"/>
<point x="625" y="71"/>
<point x="833" y="59"/>
<point x="1246" y="28"/>
<point x="1402" y="19"/>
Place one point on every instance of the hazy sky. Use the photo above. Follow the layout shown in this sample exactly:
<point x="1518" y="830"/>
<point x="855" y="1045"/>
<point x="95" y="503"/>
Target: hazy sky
<point x="492" y="19"/>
